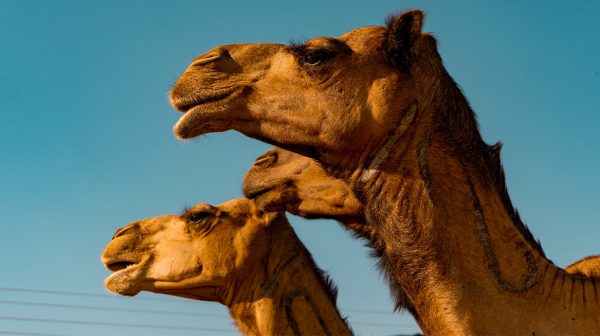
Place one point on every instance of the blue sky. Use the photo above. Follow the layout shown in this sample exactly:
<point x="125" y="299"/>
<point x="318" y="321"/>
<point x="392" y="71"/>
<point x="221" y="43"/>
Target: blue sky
<point x="86" y="143"/>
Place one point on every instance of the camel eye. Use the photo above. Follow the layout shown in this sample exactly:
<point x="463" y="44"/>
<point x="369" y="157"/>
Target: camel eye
<point x="313" y="60"/>
<point x="197" y="217"/>
<point x="316" y="57"/>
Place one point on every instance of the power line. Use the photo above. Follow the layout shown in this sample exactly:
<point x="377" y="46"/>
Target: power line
<point x="164" y="299"/>
<point x="20" y="333"/>
<point x="55" y="292"/>
<point x="151" y="311"/>
<point x="377" y="324"/>
<point x="112" y="309"/>
<point x="111" y="324"/>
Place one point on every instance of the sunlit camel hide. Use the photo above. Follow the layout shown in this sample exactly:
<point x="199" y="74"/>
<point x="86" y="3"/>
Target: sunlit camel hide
<point x="588" y="266"/>
<point x="377" y="108"/>
<point x="280" y="180"/>
<point x="234" y="254"/>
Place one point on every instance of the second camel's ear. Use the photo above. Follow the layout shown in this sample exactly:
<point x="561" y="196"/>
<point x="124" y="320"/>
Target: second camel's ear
<point x="403" y="30"/>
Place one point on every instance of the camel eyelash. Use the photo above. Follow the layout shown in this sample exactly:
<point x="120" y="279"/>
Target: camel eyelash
<point x="185" y="211"/>
<point x="316" y="55"/>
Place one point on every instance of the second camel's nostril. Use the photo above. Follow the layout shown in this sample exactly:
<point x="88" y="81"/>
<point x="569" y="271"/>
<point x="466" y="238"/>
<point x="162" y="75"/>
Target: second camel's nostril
<point x="125" y="229"/>
<point x="266" y="160"/>
<point x="209" y="57"/>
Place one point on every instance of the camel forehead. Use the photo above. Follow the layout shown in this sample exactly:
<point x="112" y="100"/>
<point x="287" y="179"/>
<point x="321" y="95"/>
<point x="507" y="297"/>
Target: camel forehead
<point x="361" y="39"/>
<point x="150" y="225"/>
<point x="364" y="38"/>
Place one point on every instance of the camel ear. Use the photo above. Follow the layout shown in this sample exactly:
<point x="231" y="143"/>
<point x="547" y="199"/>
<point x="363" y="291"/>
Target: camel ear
<point x="403" y="30"/>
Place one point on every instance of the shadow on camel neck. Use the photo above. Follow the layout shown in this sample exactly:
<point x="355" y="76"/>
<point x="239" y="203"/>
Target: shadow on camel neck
<point x="233" y="254"/>
<point x="377" y="108"/>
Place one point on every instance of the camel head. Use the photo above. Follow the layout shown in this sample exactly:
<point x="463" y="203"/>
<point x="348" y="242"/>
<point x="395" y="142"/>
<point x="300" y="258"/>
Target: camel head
<point x="340" y="94"/>
<point x="198" y="254"/>
<point x="281" y="180"/>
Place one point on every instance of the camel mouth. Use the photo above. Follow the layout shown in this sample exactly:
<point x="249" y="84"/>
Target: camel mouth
<point x="119" y="265"/>
<point x="269" y="201"/>
<point x="125" y="279"/>
<point x="185" y="105"/>
<point x="257" y="192"/>
<point x="206" y="113"/>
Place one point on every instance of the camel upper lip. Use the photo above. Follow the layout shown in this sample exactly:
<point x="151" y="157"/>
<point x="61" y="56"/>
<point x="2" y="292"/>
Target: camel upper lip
<point x="186" y="104"/>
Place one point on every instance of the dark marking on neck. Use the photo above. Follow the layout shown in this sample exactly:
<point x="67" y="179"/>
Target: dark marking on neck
<point x="267" y="287"/>
<point x="556" y="274"/>
<point x="422" y="149"/>
<point x="482" y="228"/>
<point x="582" y="289"/>
<point x="383" y="153"/>
<point x="289" y="312"/>
<point x="490" y="255"/>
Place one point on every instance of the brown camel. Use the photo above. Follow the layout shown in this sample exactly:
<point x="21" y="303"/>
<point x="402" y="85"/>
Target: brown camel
<point x="233" y="254"/>
<point x="377" y="108"/>
<point x="281" y="180"/>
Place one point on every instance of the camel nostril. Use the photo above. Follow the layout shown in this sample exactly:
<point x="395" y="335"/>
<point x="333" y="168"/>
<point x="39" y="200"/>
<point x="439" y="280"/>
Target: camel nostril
<point x="204" y="60"/>
<point x="266" y="160"/>
<point x="125" y="229"/>
<point x="209" y="57"/>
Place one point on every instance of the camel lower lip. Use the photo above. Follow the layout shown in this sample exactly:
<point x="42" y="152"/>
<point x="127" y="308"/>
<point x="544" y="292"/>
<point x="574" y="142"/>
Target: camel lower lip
<point x="208" y="117"/>
<point x="196" y="122"/>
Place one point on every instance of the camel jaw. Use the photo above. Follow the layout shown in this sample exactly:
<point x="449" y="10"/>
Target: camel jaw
<point x="206" y="114"/>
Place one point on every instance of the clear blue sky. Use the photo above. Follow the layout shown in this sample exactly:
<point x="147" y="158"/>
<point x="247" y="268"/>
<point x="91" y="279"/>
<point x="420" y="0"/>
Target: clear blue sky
<point x="86" y="143"/>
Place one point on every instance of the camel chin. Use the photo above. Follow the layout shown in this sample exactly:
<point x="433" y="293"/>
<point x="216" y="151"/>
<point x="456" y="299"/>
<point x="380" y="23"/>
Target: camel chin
<point x="199" y="121"/>
<point x="125" y="281"/>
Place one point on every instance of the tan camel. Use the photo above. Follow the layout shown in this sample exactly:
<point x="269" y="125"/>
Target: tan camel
<point x="233" y="254"/>
<point x="280" y="180"/>
<point x="377" y="108"/>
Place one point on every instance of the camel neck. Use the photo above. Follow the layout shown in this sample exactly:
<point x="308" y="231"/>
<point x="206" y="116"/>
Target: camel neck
<point x="292" y="300"/>
<point x="455" y="246"/>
